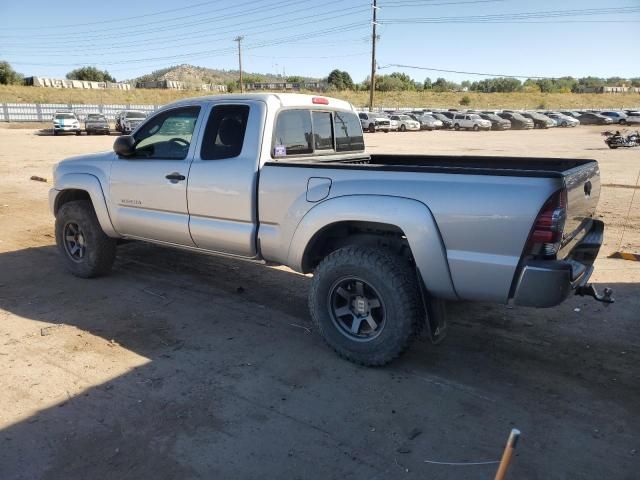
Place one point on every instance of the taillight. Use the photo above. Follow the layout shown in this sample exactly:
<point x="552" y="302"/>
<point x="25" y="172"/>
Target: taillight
<point x="546" y="237"/>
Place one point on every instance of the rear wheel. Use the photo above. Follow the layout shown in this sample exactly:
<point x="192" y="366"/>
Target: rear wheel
<point x="476" y="128"/>
<point x="623" y="121"/>
<point x="456" y="127"/>
<point x="366" y="304"/>
<point x="403" y="128"/>
<point x="87" y="251"/>
<point x="372" y="128"/>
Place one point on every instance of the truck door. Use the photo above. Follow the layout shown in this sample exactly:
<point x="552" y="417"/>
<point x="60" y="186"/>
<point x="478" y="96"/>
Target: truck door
<point x="148" y="190"/>
<point x="223" y="180"/>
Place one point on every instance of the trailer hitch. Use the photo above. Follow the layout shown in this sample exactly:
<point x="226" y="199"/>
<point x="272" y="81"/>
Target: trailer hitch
<point x="590" y="291"/>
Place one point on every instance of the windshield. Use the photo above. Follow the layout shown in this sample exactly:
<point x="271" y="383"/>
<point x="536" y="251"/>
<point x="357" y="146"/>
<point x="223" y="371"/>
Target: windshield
<point x="65" y="116"/>
<point x="404" y="117"/>
<point x="474" y="117"/>
<point x="428" y="118"/>
<point x="94" y="116"/>
<point x="135" y="115"/>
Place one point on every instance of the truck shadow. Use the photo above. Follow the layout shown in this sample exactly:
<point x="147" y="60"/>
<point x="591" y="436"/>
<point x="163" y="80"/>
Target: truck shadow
<point x="235" y="384"/>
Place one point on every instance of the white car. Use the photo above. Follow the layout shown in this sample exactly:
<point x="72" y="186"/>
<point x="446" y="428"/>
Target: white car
<point x="374" y="122"/>
<point x="633" y="118"/>
<point x="66" y="121"/>
<point x="405" y="122"/>
<point x="563" y="120"/>
<point x="128" y="120"/>
<point x="470" y="121"/>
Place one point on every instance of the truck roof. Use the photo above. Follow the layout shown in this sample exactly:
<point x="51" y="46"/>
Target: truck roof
<point x="283" y="99"/>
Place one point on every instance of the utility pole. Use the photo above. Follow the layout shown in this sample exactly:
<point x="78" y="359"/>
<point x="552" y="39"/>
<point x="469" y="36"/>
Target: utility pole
<point x="239" y="39"/>
<point x="372" y="84"/>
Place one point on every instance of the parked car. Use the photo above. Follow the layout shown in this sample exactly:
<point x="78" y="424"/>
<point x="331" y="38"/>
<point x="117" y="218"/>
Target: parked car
<point x="405" y="122"/>
<point x="518" y="122"/>
<point x="386" y="251"/>
<point x="128" y="120"/>
<point x="427" y="122"/>
<point x="497" y="123"/>
<point x="589" y="118"/>
<point x="539" y="120"/>
<point x="96" y="124"/>
<point x="633" y="118"/>
<point x="571" y="113"/>
<point x="470" y="121"/>
<point x="66" y="122"/>
<point x="374" y="122"/>
<point x="563" y="120"/>
<point x="617" y="117"/>
<point x="446" y="121"/>
<point x="393" y="124"/>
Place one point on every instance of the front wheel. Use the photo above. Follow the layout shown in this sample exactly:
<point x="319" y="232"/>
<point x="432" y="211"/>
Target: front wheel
<point x="87" y="251"/>
<point x="456" y="127"/>
<point x="366" y="304"/>
<point x="403" y="128"/>
<point x="372" y="128"/>
<point x="476" y="128"/>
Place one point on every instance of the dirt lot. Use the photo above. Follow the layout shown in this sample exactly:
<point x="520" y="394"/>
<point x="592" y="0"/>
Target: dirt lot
<point x="167" y="369"/>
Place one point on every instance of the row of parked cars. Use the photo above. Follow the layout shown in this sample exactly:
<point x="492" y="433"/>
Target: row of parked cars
<point x="413" y="120"/>
<point x="66" y="121"/>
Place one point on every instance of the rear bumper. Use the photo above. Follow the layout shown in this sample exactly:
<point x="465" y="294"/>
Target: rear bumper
<point x="547" y="283"/>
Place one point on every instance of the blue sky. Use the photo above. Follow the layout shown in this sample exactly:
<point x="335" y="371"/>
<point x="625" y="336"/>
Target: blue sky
<point x="311" y="38"/>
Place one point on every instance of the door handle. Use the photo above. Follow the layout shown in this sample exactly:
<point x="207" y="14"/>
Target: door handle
<point x="175" y="177"/>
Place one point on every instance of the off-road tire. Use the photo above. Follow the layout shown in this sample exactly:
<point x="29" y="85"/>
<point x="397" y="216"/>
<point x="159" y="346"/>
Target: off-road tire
<point x="395" y="280"/>
<point x="100" y="250"/>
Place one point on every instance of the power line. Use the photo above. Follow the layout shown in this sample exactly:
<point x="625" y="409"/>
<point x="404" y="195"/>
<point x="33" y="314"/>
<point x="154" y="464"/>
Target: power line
<point x="403" y="3"/>
<point x="431" y="69"/>
<point x="515" y="16"/>
<point x="221" y="34"/>
<point x="113" y="20"/>
<point x="266" y="43"/>
<point x="119" y="35"/>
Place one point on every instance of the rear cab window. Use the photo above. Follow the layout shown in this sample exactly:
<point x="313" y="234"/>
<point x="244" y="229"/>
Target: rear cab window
<point x="316" y="132"/>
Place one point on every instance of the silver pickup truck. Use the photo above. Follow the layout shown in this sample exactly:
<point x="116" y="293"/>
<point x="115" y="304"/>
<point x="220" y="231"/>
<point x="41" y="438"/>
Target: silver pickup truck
<point x="285" y="179"/>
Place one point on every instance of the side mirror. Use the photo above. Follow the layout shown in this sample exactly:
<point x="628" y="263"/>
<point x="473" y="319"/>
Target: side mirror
<point x="124" y="146"/>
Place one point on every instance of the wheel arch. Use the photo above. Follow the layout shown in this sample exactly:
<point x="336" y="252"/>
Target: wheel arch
<point x="397" y="222"/>
<point x="80" y="186"/>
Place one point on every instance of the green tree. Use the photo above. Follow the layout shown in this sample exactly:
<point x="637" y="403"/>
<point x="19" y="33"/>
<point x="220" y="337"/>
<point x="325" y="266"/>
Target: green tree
<point x="340" y="80"/>
<point x="295" y="79"/>
<point x="427" y="84"/>
<point x="8" y="76"/>
<point x="91" y="74"/>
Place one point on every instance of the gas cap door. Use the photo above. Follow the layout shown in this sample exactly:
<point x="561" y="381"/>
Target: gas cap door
<point x="318" y="188"/>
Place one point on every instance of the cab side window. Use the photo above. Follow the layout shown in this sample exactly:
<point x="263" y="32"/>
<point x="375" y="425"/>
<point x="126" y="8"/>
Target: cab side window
<point x="224" y="134"/>
<point x="167" y="136"/>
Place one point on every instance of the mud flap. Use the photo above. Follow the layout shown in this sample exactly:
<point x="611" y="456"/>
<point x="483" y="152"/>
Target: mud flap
<point x="435" y="315"/>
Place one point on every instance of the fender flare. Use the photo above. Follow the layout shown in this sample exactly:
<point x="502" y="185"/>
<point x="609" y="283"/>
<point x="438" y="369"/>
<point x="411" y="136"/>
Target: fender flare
<point x="90" y="184"/>
<point x="411" y="216"/>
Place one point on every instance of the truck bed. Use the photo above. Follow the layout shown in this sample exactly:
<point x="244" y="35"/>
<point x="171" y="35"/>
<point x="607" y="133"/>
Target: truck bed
<point x="469" y="165"/>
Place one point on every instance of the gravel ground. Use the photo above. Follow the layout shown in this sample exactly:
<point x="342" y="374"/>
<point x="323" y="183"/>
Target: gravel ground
<point x="168" y="369"/>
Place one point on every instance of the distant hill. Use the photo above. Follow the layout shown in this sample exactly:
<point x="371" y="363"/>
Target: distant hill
<point x="192" y="74"/>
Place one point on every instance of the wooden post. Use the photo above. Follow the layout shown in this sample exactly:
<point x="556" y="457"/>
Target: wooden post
<point x="507" y="454"/>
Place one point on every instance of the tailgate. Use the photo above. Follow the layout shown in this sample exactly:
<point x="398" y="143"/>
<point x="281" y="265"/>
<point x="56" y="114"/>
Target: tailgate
<point x="583" y="191"/>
